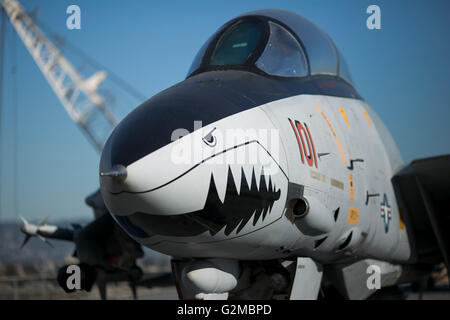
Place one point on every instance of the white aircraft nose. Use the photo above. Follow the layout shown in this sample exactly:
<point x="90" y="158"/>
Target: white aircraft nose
<point x="228" y="184"/>
<point x="157" y="197"/>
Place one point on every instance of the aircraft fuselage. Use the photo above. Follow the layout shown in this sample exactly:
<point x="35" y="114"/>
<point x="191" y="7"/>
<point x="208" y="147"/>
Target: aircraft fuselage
<point x="235" y="197"/>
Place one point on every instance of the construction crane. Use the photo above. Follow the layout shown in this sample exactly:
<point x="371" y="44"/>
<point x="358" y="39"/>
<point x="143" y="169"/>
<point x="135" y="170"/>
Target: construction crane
<point x="78" y="95"/>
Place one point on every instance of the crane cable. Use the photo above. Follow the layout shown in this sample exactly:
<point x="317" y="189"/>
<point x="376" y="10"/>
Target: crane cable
<point x="2" y="46"/>
<point x="15" y="133"/>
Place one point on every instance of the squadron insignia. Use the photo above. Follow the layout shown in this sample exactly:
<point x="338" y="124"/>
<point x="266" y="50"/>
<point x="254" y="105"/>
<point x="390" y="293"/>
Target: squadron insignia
<point x="386" y="213"/>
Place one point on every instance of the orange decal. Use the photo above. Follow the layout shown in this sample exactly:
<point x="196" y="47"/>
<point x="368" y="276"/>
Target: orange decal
<point x="341" y="150"/>
<point x="344" y="115"/>
<point x="353" y="216"/>
<point x="367" y="118"/>
<point x="350" y="187"/>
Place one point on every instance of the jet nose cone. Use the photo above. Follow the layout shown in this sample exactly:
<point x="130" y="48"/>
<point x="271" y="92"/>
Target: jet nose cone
<point x="112" y="175"/>
<point x="210" y="182"/>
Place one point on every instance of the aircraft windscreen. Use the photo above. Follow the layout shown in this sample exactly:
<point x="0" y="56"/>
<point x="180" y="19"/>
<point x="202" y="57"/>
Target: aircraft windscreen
<point x="283" y="55"/>
<point x="236" y="44"/>
<point x="277" y="42"/>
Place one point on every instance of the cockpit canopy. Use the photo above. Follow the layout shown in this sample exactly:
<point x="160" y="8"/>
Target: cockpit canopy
<point x="274" y="42"/>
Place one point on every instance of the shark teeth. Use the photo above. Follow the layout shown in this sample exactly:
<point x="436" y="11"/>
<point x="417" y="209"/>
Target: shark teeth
<point x="238" y="174"/>
<point x="252" y="196"/>
<point x="220" y="179"/>
<point x="253" y="176"/>
<point x="237" y="208"/>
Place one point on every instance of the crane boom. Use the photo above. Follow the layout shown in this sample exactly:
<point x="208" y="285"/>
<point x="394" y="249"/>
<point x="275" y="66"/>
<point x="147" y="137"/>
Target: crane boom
<point x="78" y="95"/>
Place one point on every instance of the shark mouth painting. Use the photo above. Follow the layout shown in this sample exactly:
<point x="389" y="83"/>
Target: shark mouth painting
<point x="237" y="209"/>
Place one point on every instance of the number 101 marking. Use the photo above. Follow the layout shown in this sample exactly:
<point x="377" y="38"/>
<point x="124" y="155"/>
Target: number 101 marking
<point x="302" y="133"/>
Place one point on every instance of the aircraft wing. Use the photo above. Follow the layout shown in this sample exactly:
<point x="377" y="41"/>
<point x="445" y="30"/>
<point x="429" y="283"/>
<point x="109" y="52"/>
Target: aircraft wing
<point x="423" y="193"/>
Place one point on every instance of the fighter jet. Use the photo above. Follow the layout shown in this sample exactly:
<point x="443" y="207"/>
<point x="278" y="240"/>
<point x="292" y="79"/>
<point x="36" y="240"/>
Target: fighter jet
<point x="265" y="175"/>
<point x="104" y="251"/>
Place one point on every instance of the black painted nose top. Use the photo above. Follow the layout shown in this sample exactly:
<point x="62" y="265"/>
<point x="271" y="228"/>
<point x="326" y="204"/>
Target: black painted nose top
<point x="206" y="97"/>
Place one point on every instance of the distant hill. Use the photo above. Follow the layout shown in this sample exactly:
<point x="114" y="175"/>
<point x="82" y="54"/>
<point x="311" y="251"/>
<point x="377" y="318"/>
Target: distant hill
<point x="39" y="256"/>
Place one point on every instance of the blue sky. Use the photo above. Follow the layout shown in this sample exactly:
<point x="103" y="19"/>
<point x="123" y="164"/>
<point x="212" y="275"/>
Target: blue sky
<point x="401" y="70"/>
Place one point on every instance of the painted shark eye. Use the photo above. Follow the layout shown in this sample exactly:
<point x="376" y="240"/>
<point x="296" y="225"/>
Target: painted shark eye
<point x="209" y="139"/>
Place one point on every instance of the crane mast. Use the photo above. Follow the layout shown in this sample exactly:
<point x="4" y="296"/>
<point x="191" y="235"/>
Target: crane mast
<point x="78" y="95"/>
